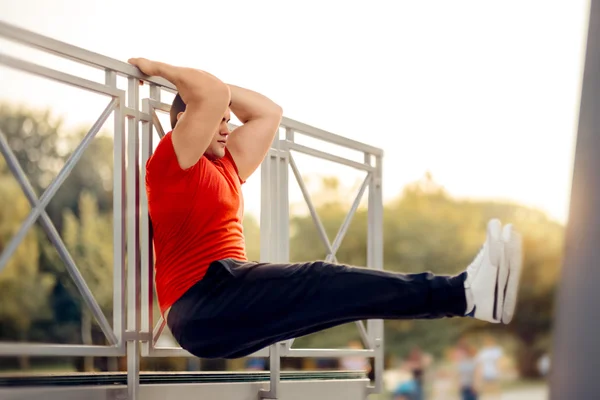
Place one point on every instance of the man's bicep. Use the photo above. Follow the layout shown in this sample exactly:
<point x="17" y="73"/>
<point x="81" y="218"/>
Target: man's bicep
<point x="250" y="143"/>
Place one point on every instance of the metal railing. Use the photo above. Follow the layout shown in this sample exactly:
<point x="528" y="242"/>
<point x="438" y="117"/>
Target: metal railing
<point x="134" y="332"/>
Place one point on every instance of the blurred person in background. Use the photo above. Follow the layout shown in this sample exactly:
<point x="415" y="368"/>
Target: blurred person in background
<point x="488" y="361"/>
<point x="467" y="370"/>
<point x="355" y="363"/>
<point x="417" y="363"/>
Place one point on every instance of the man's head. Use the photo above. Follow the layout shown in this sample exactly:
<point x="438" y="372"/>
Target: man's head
<point x="216" y="148"/>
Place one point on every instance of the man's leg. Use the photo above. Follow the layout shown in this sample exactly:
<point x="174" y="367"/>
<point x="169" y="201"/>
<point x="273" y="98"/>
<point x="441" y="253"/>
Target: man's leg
<point x="254" y="305"/>
<point x="241" y="307"/>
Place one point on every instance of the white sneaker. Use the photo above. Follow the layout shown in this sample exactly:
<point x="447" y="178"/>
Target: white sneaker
<point x="490" y="283"/>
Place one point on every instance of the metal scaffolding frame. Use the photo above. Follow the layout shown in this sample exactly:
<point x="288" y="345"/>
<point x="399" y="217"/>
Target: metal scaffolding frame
<point x="134" y="332"/>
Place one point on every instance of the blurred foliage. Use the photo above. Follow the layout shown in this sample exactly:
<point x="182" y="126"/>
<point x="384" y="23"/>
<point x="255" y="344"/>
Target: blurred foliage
<point x="21" y="275"/>
<point x="424" y="229"/>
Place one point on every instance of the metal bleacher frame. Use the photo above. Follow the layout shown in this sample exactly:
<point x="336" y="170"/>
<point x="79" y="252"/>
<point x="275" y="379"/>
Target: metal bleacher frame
<point x="133" y="332"/>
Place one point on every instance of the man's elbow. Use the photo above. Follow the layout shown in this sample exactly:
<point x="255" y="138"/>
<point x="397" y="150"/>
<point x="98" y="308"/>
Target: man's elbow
<point x="275" y="111"/>
<point x="272" y="112"/>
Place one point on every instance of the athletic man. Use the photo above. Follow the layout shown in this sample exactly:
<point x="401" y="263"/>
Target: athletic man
<point x="216" y="303"/>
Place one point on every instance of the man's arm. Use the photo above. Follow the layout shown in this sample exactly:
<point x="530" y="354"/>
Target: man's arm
<point x="250" y="142"/>
<point x="206" y="99"/>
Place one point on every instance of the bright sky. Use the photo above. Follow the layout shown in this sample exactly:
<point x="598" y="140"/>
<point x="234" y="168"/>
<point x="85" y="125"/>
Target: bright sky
<point x="483" y="94"/>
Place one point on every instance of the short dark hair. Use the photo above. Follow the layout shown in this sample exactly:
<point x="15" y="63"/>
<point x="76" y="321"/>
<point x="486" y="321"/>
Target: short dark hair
<point x="177" y="107"/>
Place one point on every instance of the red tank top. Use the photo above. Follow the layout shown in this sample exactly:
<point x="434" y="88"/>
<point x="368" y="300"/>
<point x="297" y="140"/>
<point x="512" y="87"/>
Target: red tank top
<point x="196" y="218"/>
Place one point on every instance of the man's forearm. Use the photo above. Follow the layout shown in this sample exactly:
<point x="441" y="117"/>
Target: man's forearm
<point x="192" y="84"/>
<point x="247" y="104"/>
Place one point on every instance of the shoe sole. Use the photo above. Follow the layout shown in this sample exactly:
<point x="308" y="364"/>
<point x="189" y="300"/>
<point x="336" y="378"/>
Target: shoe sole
<point x="501" y="279"/>
<point x="489" y="274"/>
<point x="513" y="264"/>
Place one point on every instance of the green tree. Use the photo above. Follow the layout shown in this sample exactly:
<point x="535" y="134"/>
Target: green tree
<point x="24" y="290"/>
<point x="34" y="138"/>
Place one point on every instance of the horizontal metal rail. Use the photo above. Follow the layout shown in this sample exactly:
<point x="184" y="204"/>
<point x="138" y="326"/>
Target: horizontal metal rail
<point x="327" y="156"/>
<point x="58" y="76"/>
<point x="330" y="137"/>
<point x="78" y="54"/>
<point x="67" y="350"/>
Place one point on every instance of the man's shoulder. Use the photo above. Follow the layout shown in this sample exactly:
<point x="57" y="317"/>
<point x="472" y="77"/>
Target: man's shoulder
<point x="162" y="167"/>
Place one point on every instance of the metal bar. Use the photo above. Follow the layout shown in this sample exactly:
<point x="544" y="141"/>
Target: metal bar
<point x="346" y="224"/>
<point x="39" y="205"/>
<point x="158" y="329"/>
<point x="179" y="352"/>
<point x="289" y="134"/>
<point x="275" y="196"/>
<point x="367" y="342"/>
<point x="168" y="352"/>
<point x="266" y="233"/>
<point x="49" y="73"/>
<point x="577" y="328"/>
<point x="133" y="242"/>
<point x="275" y="368"/>
<point x="321" y="134"/>
<point x="375" y="260"/>
<point x="130" y="112"/>
<point x="119" y="212"/>
<point x="311" y="207"/>
<point x="154" y="93"/>
<point x="333" y="353"/>
<point x="10" y="349"/>
<point x="291" y="353"/>
<point x="133" y="369"/>
<point x="157" y="125"/>
<point x="158" y="105"/>
<point x="283" y="208"/>
<point x="330" y="157"/>
<point x="146" y="251"/>
<point x="78" y="54"/>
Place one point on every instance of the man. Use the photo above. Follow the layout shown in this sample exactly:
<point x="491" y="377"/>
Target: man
<point x="219" y="305"/>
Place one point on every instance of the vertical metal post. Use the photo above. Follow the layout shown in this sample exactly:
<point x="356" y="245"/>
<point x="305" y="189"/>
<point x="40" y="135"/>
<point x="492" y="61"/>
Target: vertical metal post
<point x="283" y="199"/>
<point x="119" y="210"/>
<point x="275" y="367"/>
<point x="375" y="261"/>
<point x="284" y="210"/>
<point x="133" y="243"/>
<point x="275" y="202"/>
<point x="147" y="253"/>
<point x="576" y="350"/>
<point x="274" y="231"/>
<point x="267" y="236"/>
